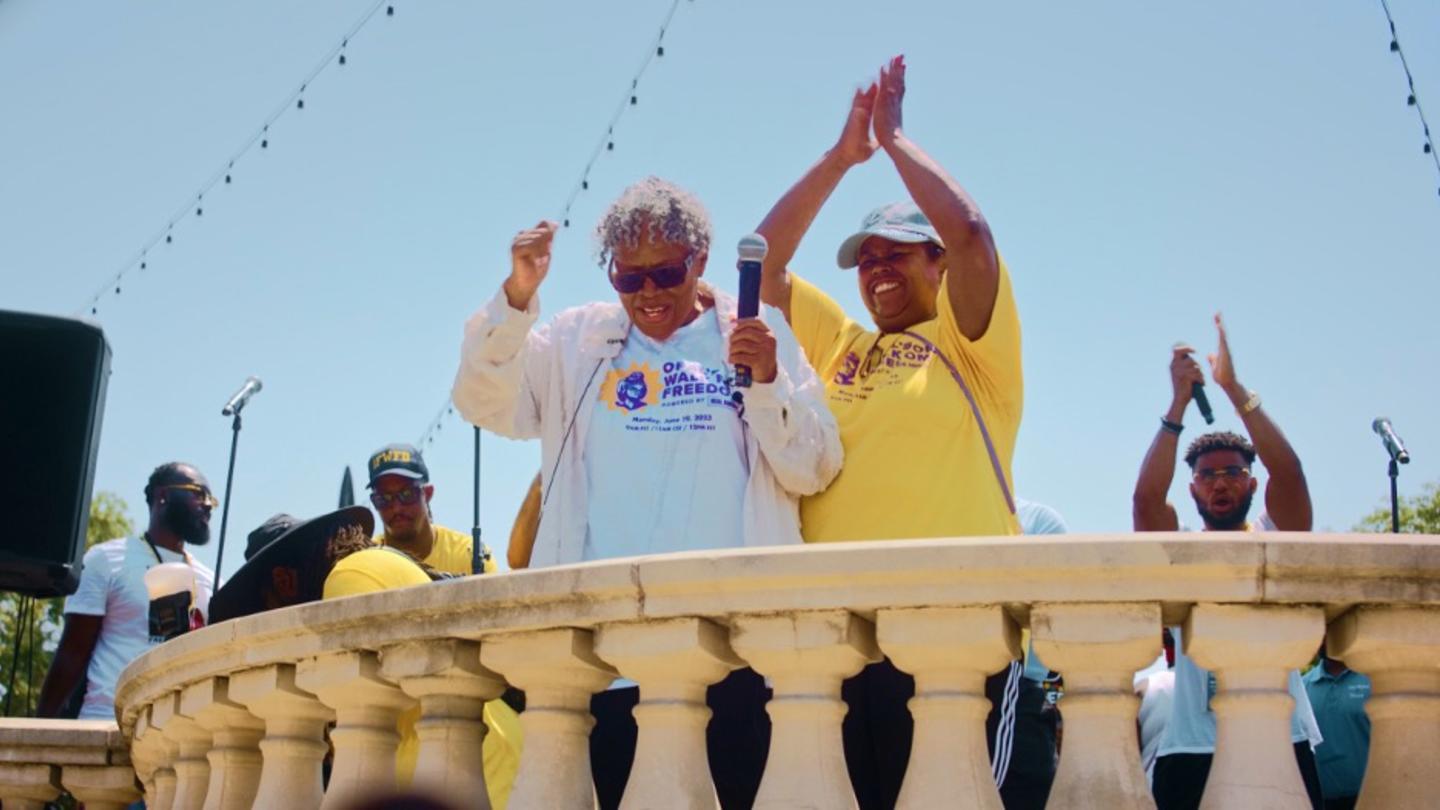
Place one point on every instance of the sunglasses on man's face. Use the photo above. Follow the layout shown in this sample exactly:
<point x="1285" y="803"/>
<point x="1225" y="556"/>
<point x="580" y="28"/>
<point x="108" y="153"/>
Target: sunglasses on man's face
<point x="405" y="497"/>
<point x="633" y="281"/>
<point x="1209" y="475"/>
<point x="198" y="493"/>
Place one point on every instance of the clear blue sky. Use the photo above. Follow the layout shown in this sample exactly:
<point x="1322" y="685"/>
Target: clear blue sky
<point x="1142" y="165"/>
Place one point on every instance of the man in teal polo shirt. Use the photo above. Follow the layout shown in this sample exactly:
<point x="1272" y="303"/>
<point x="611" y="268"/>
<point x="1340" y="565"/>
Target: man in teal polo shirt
<point x="1338" y="697"/>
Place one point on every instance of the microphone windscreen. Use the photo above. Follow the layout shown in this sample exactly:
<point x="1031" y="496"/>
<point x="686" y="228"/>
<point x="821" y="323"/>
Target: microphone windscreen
<point x="753" y="248"/>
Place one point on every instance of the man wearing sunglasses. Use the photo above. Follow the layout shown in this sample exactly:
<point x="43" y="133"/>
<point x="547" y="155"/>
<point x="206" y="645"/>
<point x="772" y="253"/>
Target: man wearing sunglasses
<point x="400" y="490"/>
<point x="1223" y="486"/>
<point x="107" y="619"/>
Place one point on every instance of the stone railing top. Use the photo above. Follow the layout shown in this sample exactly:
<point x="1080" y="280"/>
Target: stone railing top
<point x="1173" y="569"/>
<point x="62" y="742"/>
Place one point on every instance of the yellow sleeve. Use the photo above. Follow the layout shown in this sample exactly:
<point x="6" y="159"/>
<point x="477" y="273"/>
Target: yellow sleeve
<point x="817" y="321"/>
<point x="991" y="365"/>
<point x="501" y="751"/>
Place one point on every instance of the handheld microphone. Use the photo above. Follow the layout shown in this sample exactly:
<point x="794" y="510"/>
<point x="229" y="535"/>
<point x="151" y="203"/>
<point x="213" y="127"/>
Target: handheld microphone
<point x="1393" y="445"/>
<point x="249" y="389"/>
<point x="752" y="250"/>
<point x="1197" y="392"/>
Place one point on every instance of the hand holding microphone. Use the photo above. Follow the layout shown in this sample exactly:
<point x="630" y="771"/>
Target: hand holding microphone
<point x="752" y="344"/>
<point x="1188" y="381"/>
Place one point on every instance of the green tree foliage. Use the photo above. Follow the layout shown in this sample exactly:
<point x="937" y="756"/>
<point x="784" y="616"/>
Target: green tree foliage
<point x="1419" y="514"/>
<point x="37" y="622"/>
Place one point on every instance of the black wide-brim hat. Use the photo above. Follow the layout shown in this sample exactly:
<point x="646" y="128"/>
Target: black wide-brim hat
<point x="243" y="593"/>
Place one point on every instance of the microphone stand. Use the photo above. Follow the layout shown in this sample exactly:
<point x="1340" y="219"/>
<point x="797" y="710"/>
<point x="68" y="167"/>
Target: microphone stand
<point x="1394" y="496"/>
<point x="225" y="511"/>
<point x="477" y="556"/>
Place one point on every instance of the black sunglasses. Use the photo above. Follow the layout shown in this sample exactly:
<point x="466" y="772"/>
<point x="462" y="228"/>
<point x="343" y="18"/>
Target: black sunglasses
<point x="633" y="281"/>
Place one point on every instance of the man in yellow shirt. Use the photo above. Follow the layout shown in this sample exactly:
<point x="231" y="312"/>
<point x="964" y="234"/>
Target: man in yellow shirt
<point x="928" y="400"/>
<point x="400" y="489"/>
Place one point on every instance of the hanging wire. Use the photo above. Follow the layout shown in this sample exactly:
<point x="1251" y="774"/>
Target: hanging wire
<point x="293" y="101"/>
<point x="606" y="143"/>
<point x="1412" y="99"/>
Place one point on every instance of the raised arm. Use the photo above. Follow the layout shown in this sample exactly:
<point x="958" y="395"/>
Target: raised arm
<point x="1287" y="496"/>
<point x="792" y="215"/>
<point x="972" y="275"/>
<point x="500" y="367"/>
<point x="1151" y="511"/>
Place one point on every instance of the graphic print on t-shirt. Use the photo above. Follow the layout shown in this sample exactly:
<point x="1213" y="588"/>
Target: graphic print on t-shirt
<point x="882" y="366"/>
<point x="683" y="395"/>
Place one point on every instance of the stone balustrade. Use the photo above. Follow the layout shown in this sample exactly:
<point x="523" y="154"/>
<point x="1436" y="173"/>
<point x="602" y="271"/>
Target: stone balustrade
<point x="234" y="715"/>
<point x="39" y="759"/>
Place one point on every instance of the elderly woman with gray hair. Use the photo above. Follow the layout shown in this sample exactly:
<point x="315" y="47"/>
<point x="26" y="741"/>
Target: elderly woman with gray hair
<point x="646" y="446"/>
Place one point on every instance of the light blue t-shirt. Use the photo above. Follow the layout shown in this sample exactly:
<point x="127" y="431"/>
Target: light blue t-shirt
<point x="665" y="458"/>
<point x="1191" y="728"/>
<point x="1037" y="518"/>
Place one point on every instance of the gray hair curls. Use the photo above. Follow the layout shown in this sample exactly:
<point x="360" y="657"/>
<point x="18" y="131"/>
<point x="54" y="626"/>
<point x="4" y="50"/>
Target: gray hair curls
<point x="658" y="207"/>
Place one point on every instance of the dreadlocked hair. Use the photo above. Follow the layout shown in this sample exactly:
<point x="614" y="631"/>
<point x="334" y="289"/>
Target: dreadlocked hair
<point x="1220" y="440"/>
<point x="655" y="208"/>
<point x="171" y="472"/>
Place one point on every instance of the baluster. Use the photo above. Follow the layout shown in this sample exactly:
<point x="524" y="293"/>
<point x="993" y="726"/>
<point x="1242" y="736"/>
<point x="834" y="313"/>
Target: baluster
<point x="28" y="786"/>
<point x="192" y="745"/>
<point x="1399" y="648"/>
<point x="950" y="651"/>
<point x="101" y="787"/>
<point x="1251" y="649"/>
<point x="446" y="677"/>
<point x="293" y="747"/>
<point x="1099" y="648"/>
<point x="234" y="743"/>
<point x="806" y="656"/>
<point x="366" y="708"/>
<point x="559" y="671"/>
<point x="673" y="661"/>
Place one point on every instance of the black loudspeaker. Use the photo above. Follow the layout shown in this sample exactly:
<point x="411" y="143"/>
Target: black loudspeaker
<point x="53" y="373"/>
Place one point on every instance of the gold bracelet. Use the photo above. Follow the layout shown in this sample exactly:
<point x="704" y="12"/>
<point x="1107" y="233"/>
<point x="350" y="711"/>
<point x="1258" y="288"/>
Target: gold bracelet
<point x="1251" y="404"/>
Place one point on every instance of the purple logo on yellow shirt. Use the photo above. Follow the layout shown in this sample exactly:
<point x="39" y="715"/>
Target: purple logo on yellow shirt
<point x="846" y="374"/>
<point x="630" y="389"/>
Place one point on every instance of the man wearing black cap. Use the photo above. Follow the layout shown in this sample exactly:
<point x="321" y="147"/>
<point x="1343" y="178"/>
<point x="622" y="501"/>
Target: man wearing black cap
<point x="400" y="489"/>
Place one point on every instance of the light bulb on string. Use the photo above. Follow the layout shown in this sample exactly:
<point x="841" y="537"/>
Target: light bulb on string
<point x="1394" y="46"/>
<point x="660" y="51"/>
<point x="389" y="11"/>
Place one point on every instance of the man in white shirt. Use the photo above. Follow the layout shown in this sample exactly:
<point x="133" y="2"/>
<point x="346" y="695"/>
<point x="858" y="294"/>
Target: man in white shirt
<point x="108" y="618"/>
<point x="1223" y="488"/>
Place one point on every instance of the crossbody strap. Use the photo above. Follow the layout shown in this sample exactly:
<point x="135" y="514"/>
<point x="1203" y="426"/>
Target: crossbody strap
<point x="979" y="420"/>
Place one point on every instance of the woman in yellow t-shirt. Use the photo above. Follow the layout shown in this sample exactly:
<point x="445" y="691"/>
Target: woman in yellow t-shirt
<point x="380" y="568"/>
<point x="928" y="399"/>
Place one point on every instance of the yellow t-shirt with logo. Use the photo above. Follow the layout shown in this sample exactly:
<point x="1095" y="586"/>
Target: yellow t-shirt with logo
<point x="915" y="461"/>
<point x="377" y="569"/>
<point x="451" y="552"/>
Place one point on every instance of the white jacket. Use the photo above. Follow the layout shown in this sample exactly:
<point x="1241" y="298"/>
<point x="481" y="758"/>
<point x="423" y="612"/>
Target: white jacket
<point x="525" y="383"/>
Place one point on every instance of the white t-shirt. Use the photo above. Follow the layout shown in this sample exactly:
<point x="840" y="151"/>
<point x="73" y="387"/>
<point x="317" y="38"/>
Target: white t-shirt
<point x="665" y="455"/>
<point x="112" y="585"/>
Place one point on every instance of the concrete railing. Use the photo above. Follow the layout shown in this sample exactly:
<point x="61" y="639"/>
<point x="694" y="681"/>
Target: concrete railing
<point x="88" y="758"/>
<point x="235" y="715"/>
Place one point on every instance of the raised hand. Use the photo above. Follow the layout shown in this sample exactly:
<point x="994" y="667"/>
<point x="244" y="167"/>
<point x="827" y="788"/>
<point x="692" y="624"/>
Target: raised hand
<point x="529" y="262"/>
<point x="1222" y="367"/>
<point x="889" y="102"/>
<point x="753" y="344"/>
<point x="856" y="144"/>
